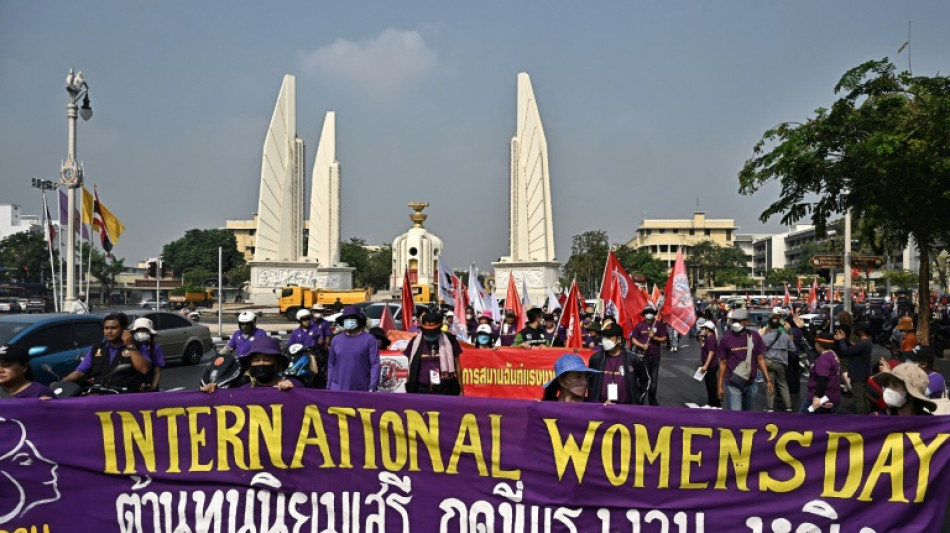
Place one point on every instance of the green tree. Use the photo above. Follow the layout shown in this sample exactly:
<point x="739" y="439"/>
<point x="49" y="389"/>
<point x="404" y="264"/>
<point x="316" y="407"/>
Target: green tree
<point x="904" y="279"/>
<point x="379" y="269"/>
<point x="882" y="150"/>
<point x="717" y="265"/>
<point x="105" y="270"/>
<point x="781" y="276"/>
<point x="642" y="263"/>
<point x="24" y="257"/>
<point x="586" y="264"/>
<point x="198" y="250"/>
<point x="354" y="253"/>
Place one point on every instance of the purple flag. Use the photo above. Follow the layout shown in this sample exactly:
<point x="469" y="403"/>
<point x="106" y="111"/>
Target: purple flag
<point x="63" y="209"/>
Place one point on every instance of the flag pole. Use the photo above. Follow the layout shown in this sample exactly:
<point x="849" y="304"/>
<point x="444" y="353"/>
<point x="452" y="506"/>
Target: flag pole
<point x="49" y="247"/>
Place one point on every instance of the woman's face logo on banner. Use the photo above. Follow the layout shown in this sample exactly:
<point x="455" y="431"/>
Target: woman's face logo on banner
<point x="27" y="479"/>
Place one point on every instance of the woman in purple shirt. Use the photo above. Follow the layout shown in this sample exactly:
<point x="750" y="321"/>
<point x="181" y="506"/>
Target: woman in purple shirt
<point x="706" y="334"/>
<point x="824" y="378"/>
<point x="16" y="378"/>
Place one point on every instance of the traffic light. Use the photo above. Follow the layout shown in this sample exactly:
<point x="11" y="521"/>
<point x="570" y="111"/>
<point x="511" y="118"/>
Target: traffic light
<point x="165" y="270"/>
<point x="150" y="271"/>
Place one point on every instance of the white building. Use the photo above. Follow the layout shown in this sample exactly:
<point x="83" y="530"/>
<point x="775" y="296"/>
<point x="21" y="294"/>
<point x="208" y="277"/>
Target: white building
<point x="12" y="220"/>
<point x="416" y="250"/>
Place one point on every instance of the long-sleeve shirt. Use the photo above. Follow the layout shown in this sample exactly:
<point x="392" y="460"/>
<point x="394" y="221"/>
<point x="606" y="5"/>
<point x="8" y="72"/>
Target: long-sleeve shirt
<point x="859" y="359"/>
<point x="781" y="344"/>
<point x="353" y="363"/>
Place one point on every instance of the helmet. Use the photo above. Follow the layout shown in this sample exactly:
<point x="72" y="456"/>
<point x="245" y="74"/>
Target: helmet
<point x="224" y="371"/>
<point x="247" y="316"/>
<point x="302" y="314"/>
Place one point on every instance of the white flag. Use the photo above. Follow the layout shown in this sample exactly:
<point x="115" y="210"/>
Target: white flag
<point x="494" y="308"/>
<point x="552" y="301"/>
<point x="445" y="284"/>
<point x="525" y="299"/>
<point x="476" y="294"/>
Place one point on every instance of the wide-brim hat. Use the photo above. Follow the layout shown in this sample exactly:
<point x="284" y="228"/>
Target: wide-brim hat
<point x="351" y="311"/>
<point x="915" y="380"/>
<point x="143" y="323"/>
<point x="906" y="324"/>
<point x="431" y="321"/>
<point x="486" y="315"/>
<point x="265" y="345"/>
<point x="569" y="362"/>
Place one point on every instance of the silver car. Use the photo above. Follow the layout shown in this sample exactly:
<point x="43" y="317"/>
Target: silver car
<point x="179" y="337"/>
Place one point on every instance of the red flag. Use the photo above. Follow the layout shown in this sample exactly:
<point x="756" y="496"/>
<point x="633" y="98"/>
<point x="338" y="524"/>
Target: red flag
<point x="386" y="321"/>
<point x="813" y="296"/>
<point x="788" y="297"/>
<point x="513" y="301"/>
<point x="461" y="297"/>
<point x="571" y="320"/>
<point x="633" y="298"/>
<point x="408" y="306"/>
<point x="616" y="300"/>
<point x="655" y="297"/>
<point x="678" y="309"/>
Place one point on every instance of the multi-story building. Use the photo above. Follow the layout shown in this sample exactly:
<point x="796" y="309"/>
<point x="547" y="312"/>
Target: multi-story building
<point x="665" y="237"/>
<point x="745" y="241"/>
<point x="245" y="233"/>
<point x="13" y="221"/>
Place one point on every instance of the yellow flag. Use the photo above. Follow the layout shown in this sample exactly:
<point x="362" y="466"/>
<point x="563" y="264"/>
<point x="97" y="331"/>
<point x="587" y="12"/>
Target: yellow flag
<point x="87" y="203"/>
<point x="114" y="228"/>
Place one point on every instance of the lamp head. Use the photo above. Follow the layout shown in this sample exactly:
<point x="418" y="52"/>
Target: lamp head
<point x="85" y="111"/>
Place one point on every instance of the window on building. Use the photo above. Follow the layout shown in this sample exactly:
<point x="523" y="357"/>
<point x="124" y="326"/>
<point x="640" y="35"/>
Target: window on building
<point x="663" y="248"/>
<point x="692" y="231"/>
<point x="728" y="234"/>
<point x="662" y="231"/>
<point x="708" y="233"/>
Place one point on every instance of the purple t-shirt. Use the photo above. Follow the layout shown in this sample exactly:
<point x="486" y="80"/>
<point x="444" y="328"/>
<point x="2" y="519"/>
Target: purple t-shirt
<point x="826" y="365"/>
<point x="507" y="334"/>
<point x="614" y="373"/>
<point x="154" y="354"/>
<point x="733" y="349"/>
<point x="429" y="360"/>
<point x="322" y="329"/>
<point x="353" y="363"/>
<point x="641" y="332"/>
<point x="34" y="390"/>
<point x="709" y="345"/>
<point x="241" y="344"/>
<point x="307" y="337"/>
<point x="86" y="364"/>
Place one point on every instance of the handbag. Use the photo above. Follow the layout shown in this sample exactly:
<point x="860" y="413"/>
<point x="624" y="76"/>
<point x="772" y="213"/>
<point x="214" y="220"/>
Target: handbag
<point x="743" y="371"/>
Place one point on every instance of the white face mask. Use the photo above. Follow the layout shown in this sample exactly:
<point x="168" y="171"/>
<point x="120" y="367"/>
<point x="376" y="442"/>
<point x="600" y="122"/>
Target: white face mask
<point x="736" y="326"/>
<point x="893" y="398"/>
<point x="317" y="316"/>
<point x="649" y="316"/>
<point x="140" y="336"/>
<point x="349" y="324"/>
<point x="609" y="345"/>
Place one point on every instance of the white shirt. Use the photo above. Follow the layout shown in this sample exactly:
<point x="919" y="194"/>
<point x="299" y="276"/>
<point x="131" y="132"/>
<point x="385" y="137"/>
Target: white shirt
<point x="79" y="308"/>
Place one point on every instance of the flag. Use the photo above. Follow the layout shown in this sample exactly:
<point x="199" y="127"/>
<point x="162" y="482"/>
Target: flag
<point x="51" y="230"/>
<point x="678" y="309"/>
<point x="446" y="289"/>
<point x="799" y="294"/>
<point x="64" y="216"/>
<point x="408" y="306"/>
<point x="903" y="46"/>
<point x="616" y="306"/>
<point x="525" y="299"/>
<point x="813" y="295"/>
<point x="571" y="320"/>
<point x="788" y="297"/>
<point x="459" y="297"/>
<point x="386" y="321"/>
<point x="513" y="302"/>
<point x="553" y="302"/>
<point x="88" y="206"/>
<point x="634" y="299"/>
<point x="106" y="224"/>
<point x="655" y="297"/>
<point x="476" y="294"/>
<point x="494" y="308"/>
<point x="836" y="296"/>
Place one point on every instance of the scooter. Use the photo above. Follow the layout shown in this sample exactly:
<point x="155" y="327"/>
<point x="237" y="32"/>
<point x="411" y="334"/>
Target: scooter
<point x="225" y="371"/>
<point x="300" y="360"/>
<point x="194" y="316"/>
<point x="71" y="389"/>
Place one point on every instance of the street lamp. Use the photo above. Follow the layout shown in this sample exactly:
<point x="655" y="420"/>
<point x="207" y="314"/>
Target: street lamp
<point x="48" y="185"/>
<point x="71" y="174"/>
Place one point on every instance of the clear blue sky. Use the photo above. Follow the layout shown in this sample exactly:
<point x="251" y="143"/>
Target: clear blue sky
<point x="647" y="106"/>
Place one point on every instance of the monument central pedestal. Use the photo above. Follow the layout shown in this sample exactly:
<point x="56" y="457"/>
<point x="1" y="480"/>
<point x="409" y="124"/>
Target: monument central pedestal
<point x="537" y="275"/>
<point x="269" y="277"/>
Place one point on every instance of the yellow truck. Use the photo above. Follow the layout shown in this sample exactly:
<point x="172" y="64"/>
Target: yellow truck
<point x="193" y="299"/>
<point x="294" y="298"/>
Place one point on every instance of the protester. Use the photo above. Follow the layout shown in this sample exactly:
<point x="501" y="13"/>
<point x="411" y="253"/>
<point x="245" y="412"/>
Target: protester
<point x="305" y="332"/>
<point x="673" y="339"/>
<point x="484" y="337"/>
<point x="709" y="365"/>
<point x="906" y="325"/>
<point x="241" y="339"/>
<point x="793" y="376"/>
<point x="471" y="322"/>
<point x="824" y="378"/>
<point x="16" y="377"/>
<point x="905" y="391"/>
<point x="571" y="380"/>
<point x="322" y="327"/>
<point x="591" y="336"/>
<point x="337" y="305"/>
<point x="433" y="360"/>
<point x="80" y="307"/>
<point x="622" y="376"/>
<point x="532" y="334"/>
<point x="646" y="338"/>
<point x="778" y="344"/>
<point x="924" y="357"/>
<point x="264" y="363"/>
<point x="353" y="361"/>
<point x="555" y="333"/>
<point x="859" y="365"/>
<point x="116" y="348"/>
<point x="144" y="335"/>
<point x="734" y="350"/>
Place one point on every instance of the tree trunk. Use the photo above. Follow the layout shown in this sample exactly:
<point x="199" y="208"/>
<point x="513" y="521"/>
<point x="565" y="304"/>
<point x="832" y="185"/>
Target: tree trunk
<point x="923" y="292"/>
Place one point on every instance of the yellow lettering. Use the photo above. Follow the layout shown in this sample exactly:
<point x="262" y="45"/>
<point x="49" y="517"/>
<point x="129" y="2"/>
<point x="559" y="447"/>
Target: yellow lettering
<point x="141" y="437"/>
<point x="689" y="457"/>
<point x="731" y="453"/>
<point x="260" y="426"/>
<point x="925" y="453"/>
<point x="108" y="442"/>
<point x="607" y="454"/>
<point x="171" y="414"/>
<point x="342" y="414"/>
<point x="855" y="464"/>
<point x="496" y="470"/>
<point x="660" y="452"/>
<point x="891" y="462"/>
<point x="229" y="437"/>
<point x="392" y="431"/>
<point x="312" y="420"/>
<point x="767" y="482"/>
<point x="198" y="438"/>
<point x="468" y="441"/>
<point x="567" y="451"/>
<point x="369" y="438"/>
<point x="416" y="428"/>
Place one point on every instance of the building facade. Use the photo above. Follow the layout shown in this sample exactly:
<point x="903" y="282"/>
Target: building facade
<point x="12" y="220"/>
<point x="663" y="238"/>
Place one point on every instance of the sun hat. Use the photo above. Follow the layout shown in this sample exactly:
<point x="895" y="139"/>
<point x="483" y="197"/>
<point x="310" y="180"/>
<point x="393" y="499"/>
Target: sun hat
<point x="486" y="315"/>
<point x="915" y="380"/>
<point x="265" y="345"/>
<point x="708" y="324"/>
<point x="318" y="307"/>
<point x="351" y="311"/>
<point x="569" y="362"/>
<point x="143" y="323"/>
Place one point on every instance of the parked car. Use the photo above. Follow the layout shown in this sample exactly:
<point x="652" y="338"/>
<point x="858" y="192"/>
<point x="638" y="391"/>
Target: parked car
<point x="36" y="304"/>
<point x="180" y="338"/>
<point x="57" y="340"/>
<point x="10" y="305"/>
<point x="149" y="303"/>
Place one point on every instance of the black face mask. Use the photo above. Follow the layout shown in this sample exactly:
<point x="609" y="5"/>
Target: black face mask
<point x="264" y="373"/>
<point x="774" y="323"/>
<point x="431" y="337"/>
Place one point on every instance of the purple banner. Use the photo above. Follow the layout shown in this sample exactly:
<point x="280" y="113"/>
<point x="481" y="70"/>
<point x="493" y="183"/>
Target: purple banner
<point x="247" y="461"/>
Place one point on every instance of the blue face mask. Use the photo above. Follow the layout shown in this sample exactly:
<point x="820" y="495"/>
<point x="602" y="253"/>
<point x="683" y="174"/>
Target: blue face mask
<point x="350" y="324"/>
<point x="484" y="339"/>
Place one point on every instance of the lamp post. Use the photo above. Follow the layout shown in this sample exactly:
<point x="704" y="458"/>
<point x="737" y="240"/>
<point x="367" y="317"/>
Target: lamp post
<point x="71" y="174"/>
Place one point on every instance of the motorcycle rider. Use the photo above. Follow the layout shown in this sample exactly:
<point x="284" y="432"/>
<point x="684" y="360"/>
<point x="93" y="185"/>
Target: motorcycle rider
<point x="144" y="335"/>
<point x="322" y="327"/>
<point x="305" y="334"/>
<point x="117" y="347"/>
<point x="247" y="331"/>
<point x="264" y="363"/>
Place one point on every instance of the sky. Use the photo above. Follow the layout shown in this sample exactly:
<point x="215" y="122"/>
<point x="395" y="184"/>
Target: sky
<point x="649" y="108"/>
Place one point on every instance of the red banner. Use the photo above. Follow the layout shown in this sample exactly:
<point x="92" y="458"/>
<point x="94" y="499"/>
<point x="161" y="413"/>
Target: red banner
<point x="510" y="372"/>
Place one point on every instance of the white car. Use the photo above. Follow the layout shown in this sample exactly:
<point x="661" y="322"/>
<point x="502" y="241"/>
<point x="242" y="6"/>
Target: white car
<point x="149" y="303"/>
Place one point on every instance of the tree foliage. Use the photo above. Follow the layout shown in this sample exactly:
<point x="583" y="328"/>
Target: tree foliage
<point x="373" y="267"/>
<point x="198" y="250"/>
<point x="904" y="279"/>
<point x="781" y="276"/>
<point x="643" y="263"/>
<point x="717" y="265"/>
<point x="881" y="150"/>
<point x="586" y="264"/>
<point x="24" y="257"/>
<point x="104" y="269"/>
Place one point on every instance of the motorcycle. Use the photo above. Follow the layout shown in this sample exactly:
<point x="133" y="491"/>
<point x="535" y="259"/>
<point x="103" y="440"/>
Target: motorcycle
<point x="194" y="316"/>
<point x="225" y="371"/>
<point x="71" y="389"/>
<point x="302" y="361"/>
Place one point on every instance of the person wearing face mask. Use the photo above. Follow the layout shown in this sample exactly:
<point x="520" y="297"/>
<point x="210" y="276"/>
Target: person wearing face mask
<point x="484" y="337"/>
<point x="925" y="358"/>
<point x="472" y="322"/>
<point x="858" y="356"/>
<point x="622" y="375"/>
<point x="904" y="391"/>
<point x="322" y="328"/>
<point x="733" y="349"/>
<point x="508" y="329"/>
<point x="264" y="363"/>
<point x="571" y="380"/>
<point x="144" y="336"/>
<point x="533" y="333"/>
<point x="778" y="345"/>
<point x="555" y="332"/>
<point x="706" y="335"/>
<point x="433" y="360"/>
<point x="824" y="378"/>
<point x="305" y="333"/>
<point x="353" y="361"/>
<point x="247" y="331"/>
<point x="646" y="338"/>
